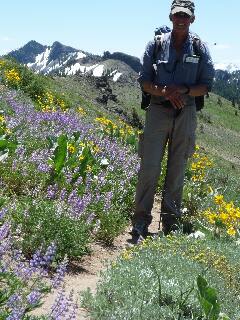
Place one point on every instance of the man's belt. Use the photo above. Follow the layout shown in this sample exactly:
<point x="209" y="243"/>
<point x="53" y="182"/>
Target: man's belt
<point x="164" y="103"/>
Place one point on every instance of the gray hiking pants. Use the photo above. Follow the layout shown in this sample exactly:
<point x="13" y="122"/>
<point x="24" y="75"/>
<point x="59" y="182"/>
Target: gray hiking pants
<point x="163" y="126"/>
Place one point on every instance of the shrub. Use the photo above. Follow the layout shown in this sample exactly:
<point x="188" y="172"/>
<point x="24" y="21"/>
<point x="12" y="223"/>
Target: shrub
<point x="158" y="280"/>
<point x="24" y="283"/>
<point x="64" y="179"/>
<point x="37" y="223"/>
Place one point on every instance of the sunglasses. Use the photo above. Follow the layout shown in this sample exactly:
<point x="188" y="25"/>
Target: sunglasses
<point x="182" y="15"/>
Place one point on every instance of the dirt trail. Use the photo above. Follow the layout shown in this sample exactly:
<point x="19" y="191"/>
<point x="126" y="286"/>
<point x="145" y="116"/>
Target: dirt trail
<point x="87" y="273"/>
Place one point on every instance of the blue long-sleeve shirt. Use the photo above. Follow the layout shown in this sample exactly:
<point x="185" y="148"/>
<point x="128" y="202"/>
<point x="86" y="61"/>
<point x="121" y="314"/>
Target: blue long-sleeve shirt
<point x="185" y="69"/>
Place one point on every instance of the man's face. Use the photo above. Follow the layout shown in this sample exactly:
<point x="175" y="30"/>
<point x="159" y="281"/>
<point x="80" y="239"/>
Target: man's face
<point x="181" y="22"/>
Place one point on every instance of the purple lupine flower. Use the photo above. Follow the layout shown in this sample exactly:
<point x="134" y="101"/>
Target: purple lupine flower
<point x="52" y="191"/>
<point x="29" y="122"/>
<point x="50" y="254"/>
<point x="3" y="212"/>
<point x="63" y="194"/>
<point x="17" y="255"/>
<point x="60" y="306"/>
<point x="16" y="314"/>
<point x="63" y="307"/>
<point x="14" y="164"/>
<point x="108" y="200"/>
<point x="4" y="230"/>
<point x="5" y="246"/>
<point x="14" y="300"/>
<point x="77" y="205"/>
<point x="23" y="271"/>
<point x="34" y="297"/>
<point x="72" y="313"/>
<point x="60" y="273"/>
<point x="90" y="218"/>
<point x="44" y="167"/>
<point x="36" y="260"/>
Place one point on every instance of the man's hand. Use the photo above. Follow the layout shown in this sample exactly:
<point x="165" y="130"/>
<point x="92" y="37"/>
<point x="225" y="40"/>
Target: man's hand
<point x="174" y="94"/>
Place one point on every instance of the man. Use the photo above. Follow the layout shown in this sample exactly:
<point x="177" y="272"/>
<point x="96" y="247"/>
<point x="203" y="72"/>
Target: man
<point x="174" y="82"/>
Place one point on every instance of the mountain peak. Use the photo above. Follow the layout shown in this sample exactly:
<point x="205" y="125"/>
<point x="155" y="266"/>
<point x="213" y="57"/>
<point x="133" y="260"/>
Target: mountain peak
<point x="60" y="59"/>
<point x="58" y="49"/>
<point x="28" y="52"/>
<point x="33" y="43"/>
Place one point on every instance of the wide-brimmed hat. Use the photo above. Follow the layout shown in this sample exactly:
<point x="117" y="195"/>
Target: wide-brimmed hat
<point x="185" y="6"/>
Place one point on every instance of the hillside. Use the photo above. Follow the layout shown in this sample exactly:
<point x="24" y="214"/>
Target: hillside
<point x="68" y="176"/>
<point x="112" y="86"/>
<point x="227" y="85"/>
<point x="61" y="60"/>
<point x="218" y="123"/>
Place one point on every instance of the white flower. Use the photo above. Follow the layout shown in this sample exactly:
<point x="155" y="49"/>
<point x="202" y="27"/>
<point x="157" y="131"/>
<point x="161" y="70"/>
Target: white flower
<point x="223" y="316"/>
<point x="104" y="162"/>
<point x="197" y="235"/>
<point x="238" y="242"/>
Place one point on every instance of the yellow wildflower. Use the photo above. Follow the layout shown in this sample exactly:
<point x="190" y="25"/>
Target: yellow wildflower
<point x="126" y="255"/>
<point x="218" y="199"/>
<point x="210" y="189"/>
<point x="231" y="231"/>
<point x="89" y="168"/>
<point x="12" y="75"/>
<point x="8" y="131"/>
<point x="81" y="144"/>
<point x="81" y="111"/>
<point x="194" y="178"/>
<point x="2" y="63"/>
<point x="71" y="148"/>
<point x="96" y="149"/>
<point x="223" y="216"/>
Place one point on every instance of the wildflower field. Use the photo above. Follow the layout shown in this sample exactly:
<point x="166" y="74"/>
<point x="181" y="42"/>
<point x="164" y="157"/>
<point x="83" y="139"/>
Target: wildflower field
<point x="67" y="179"/>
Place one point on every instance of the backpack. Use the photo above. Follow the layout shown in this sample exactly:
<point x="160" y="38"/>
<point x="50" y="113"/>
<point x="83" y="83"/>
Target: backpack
<point x="146" y="97"/>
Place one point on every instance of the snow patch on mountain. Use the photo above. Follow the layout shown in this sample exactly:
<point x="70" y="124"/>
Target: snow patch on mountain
<point x="62" y="60"/>
<point x="98" y="71"/>
<point x="73" y="69"/>
<point x="40" y="61"/>
<point x="79" y="55"/>
<point x="230" y="67"/>
<point x="42" y="64"/>
<point x="116" y="75"/>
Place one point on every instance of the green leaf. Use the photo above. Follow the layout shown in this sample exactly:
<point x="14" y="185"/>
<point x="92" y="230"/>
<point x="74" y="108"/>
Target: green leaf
<point x="208" y="299"/>
<point x="50" y="141"/>
<point x="211" y="295"/>
<point x="5" y="144"/>
<point x="206" y="306"/>
<point x="60" y="153"/>
<point x="76" y="136"/>
<point x="202" y="284"/>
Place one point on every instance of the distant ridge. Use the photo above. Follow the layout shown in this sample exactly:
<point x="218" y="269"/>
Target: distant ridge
<point x="28" y="52"/>
<point x="134" y="62"/>
<point x="58" y="50"/>
<point x="62" y="60"/>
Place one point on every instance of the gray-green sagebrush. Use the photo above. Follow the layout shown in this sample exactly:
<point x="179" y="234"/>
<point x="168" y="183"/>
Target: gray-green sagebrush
<point x="159" y="281"/>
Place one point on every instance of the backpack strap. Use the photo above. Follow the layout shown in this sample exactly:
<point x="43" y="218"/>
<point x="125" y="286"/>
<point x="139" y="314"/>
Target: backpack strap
<point x="146" y="97"/>
<point x="196" y="46"/>
<point x="157" y="47"/>
<point x="199" y="101"/>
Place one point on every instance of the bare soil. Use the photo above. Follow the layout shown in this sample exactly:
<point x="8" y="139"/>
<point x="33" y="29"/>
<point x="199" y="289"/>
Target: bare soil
<point x="86" y="274"/>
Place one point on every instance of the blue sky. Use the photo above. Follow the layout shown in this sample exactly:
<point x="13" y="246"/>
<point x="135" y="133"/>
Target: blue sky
<point x="115" y="25"/>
